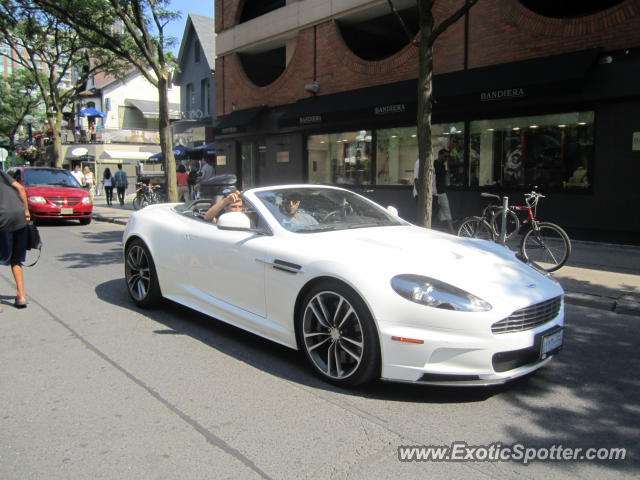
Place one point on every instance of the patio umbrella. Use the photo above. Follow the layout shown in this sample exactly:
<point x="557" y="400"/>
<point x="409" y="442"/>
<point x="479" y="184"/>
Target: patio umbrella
<point x="179" y="152"/>
<point x="92" y="112"/>
<point x="206" y="150"/>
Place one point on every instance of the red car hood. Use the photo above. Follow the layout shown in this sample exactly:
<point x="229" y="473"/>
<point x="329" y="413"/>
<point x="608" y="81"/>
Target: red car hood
<point x="48" y="191"/>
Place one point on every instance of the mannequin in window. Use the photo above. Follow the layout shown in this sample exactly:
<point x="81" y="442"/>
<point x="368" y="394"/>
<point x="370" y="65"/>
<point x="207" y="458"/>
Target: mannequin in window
<point x="578" y="178"/>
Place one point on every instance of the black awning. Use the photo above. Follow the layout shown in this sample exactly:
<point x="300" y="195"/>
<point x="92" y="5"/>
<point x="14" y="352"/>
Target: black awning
<point x="518" y="80"/>
<point x="237" y="120"/>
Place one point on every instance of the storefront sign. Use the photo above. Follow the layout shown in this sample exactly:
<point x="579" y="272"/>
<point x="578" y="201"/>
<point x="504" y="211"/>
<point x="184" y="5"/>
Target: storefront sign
<point x="636" y="142"/>
<point x="310" y="119"/>
<point x="282" y="157"/>
<point x="505" y="94"/>
<point x="229" y="130"/>
<point x="221" y="160"/>
<point x="389" y="109"/>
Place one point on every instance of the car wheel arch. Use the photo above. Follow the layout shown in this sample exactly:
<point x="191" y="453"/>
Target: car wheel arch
<point x="316" y="281"/>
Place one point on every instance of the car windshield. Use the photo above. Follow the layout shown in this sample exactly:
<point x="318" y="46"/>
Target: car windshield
<point x="54" y="178"/>
<point x="307" y="210"/>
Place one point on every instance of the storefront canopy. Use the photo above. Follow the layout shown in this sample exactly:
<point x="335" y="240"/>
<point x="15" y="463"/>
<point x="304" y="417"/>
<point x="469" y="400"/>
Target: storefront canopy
<point x="525" y="79"/>
<point x="238" y="120"/>
<point x="150" y="108"/>
<point x="179" y="152"/>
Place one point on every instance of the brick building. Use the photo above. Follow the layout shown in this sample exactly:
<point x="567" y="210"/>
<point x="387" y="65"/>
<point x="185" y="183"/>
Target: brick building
<point x="526" y="93"/>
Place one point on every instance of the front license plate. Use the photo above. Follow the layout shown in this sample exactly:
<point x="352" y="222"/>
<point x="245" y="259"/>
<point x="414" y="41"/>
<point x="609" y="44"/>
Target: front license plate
<point x="66" y="211"/>
<point x="551" y="343"/>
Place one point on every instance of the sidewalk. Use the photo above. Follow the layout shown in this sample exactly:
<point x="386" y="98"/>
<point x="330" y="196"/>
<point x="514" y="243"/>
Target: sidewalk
<point x="597" y="275"/>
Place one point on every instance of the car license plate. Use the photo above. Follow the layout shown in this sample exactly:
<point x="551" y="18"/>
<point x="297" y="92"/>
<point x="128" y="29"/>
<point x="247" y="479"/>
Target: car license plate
<point x="551" y="343"/>
<point x="66" y="211"/>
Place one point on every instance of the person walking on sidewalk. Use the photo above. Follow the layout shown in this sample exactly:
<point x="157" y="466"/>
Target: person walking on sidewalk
<point x="182" y="178"/>
<point x="108" y="183"/>
<point x="90" y="182"/>
<point x="14" y="218"/>
<point x="121" y="183"/>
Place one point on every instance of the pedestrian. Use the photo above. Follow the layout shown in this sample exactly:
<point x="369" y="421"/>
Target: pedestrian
<point x="182" y="178"/>
<point x="192" y="179"/>
<point x="92" y="131"/>
<point x="89" y="182"/>
<point x="440" y="171"/>
<point x="108" y="183"/>
<point x="207" y="172"/>
<point x="121" y="183"/>
<point x="14" y="218"/>
<point x="77" y="174"/>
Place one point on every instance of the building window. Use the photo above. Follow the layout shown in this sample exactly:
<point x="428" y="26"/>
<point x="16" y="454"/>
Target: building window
<point x="550" y="151"/>
<point x="568" y="9"/>
<point x="196" y="51"/>
<point x="190" y="97"/>
<point x="204" y="96"/>
<point x="397" y="151"/>
<point x="256" y="8"/>
<point x="340" y="158"/>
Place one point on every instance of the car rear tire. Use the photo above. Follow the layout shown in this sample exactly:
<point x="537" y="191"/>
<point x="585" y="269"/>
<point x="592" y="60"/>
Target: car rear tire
<point x="338" y="336"/>
<point x="141" y="276"/>
<point x="85" y="221"/>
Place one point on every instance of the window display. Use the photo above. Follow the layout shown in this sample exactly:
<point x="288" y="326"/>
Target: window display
<point x="340" y="158"/>
<point x="550" y="151"/>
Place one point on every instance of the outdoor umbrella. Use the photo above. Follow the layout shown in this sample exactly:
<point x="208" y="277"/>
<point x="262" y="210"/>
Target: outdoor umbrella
<point x="179" y="152"/>
<point x="206" y="150"/>
<point x="92" y="112"/>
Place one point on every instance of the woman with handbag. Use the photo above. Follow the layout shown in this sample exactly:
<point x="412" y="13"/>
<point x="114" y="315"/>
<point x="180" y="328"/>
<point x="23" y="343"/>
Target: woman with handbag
<point x="14" y="219"/>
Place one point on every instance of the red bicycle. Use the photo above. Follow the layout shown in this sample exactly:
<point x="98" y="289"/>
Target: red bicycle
<point x="544" y="243"/>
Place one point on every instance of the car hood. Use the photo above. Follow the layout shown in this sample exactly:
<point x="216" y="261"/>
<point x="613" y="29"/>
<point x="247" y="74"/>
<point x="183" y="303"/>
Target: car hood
<point x="483" y="268"/>
<point x="51" y="191"/>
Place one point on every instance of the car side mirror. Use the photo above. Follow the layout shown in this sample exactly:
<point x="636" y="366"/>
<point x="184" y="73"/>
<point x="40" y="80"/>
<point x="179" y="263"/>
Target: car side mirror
<point x="392" y="210"/>
<point x="234" y="221"/>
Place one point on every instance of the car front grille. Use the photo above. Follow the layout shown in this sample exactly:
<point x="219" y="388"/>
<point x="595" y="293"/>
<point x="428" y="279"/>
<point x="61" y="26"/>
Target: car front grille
<point x="529" y="317"/>
<point x="60" y="201"/>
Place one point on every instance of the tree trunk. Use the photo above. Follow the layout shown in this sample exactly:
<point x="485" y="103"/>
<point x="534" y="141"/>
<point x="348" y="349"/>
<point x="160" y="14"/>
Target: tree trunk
<point x="426" y="172"/>
<point x="166" y="141"/>
<point x="55" y="122"/>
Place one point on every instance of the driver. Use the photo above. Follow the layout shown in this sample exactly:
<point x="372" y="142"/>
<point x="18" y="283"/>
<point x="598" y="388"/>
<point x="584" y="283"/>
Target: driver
<point x="294" y="216"/>
<point x="230" y="203"/>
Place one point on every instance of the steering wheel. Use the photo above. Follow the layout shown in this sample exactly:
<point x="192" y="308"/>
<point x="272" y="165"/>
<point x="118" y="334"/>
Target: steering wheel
<point x="344" y="211"/>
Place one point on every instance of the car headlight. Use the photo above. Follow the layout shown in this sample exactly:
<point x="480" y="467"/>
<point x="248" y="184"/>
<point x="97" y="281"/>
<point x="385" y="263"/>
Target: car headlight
<point x="437" y="294"/>
<point x="37" y="199"/>
<point x="86" y="200"/>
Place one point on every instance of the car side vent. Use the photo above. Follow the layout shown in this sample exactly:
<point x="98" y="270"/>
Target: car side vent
<point x="286" y="266"/>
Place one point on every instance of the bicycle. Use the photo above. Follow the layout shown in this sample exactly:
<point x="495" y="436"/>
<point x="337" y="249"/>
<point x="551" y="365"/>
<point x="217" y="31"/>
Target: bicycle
<point x="146" y="195"/>
<point x="545" y="244"/>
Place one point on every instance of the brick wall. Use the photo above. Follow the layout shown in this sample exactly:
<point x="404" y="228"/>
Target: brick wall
<point x="500" y="31"/>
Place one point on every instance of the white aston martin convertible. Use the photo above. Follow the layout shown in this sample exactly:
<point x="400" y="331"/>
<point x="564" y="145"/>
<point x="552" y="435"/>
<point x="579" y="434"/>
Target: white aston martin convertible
<point x="362" y="293"/>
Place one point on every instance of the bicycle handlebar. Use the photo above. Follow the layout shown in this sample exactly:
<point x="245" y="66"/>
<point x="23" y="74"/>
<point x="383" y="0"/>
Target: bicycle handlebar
<point x="489" y="195"/>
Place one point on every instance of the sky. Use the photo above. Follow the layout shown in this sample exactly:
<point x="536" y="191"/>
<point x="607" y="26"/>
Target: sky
<point x="200" y="7"/>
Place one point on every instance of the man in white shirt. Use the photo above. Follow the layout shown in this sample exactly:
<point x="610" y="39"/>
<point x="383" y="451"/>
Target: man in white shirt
<point x="77" y="173"/>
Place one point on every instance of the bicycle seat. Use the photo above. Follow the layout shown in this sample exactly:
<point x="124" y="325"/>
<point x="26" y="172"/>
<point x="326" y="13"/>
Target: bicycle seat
<point x="489" y="195"/>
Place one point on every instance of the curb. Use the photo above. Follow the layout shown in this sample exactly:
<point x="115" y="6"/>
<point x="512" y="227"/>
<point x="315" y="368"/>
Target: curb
<point x="100" y="218"/>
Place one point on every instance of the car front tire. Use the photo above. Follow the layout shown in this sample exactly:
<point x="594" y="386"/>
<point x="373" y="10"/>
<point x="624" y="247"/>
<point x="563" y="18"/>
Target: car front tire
<point x="85" y="221"/>
<point x="141" y="276"/>
<point x="338" y="335"/>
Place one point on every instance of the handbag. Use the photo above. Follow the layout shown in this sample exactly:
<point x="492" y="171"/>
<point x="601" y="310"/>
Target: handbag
<point x="34" y="242"/>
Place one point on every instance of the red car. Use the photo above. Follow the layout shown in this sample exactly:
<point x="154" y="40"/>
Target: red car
<point x="54" y="193"/>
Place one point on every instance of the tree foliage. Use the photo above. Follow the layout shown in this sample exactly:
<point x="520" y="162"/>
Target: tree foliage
<point x="425" y="40"/>
<point x="59" y="62"/>
<point x="134" y="31"/>
<point x="19" y="97"/>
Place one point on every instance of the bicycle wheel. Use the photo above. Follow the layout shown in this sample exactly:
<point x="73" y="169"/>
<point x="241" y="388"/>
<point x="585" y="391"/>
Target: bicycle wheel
<point x="475" y="227"/>
<point x="139" y="202"/>
<point x="548" y="246"/>
<point x="513" y="223"/>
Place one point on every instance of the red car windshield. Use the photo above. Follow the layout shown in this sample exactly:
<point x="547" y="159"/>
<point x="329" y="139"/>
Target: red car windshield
<point x="53" y="178"/>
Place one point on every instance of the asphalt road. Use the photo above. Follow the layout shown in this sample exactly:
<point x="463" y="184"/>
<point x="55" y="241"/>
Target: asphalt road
<point x="93" y="387"/>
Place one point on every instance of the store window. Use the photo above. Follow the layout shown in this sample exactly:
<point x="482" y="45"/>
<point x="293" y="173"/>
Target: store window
<point x="549" y="151"/>
<point x="340" y="158"/>
<point x="397" y="151"/>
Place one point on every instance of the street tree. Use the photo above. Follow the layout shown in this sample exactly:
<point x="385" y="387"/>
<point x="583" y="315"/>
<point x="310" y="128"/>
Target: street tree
<point x="424" y="40"/>
<point x="57" y="59"/>
<point x="19" y="97"/>
<point x="134" y="31"/>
